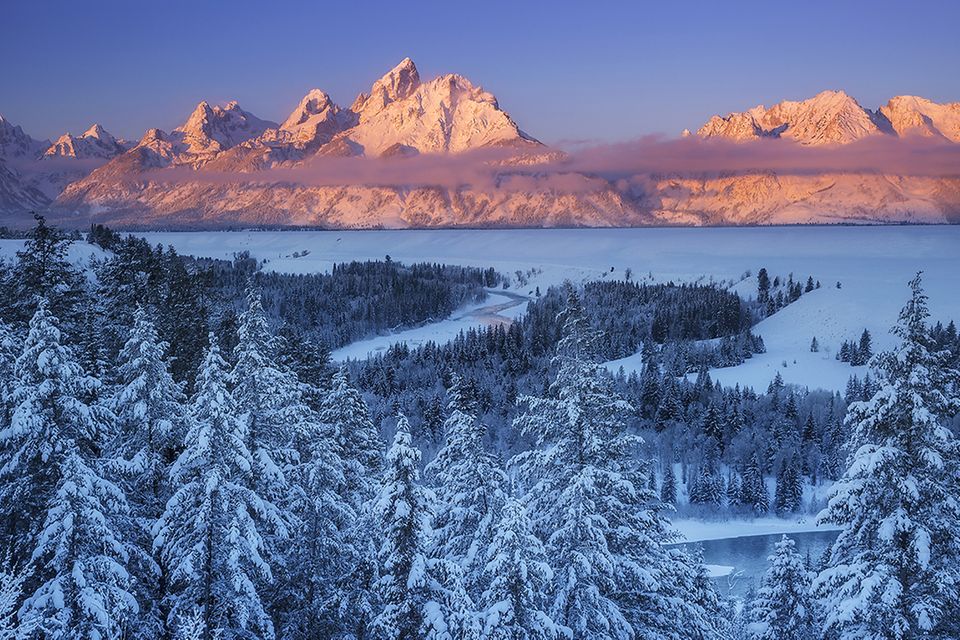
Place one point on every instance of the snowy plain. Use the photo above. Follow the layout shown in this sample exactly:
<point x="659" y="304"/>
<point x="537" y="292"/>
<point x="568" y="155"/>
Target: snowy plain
<point x="872" y="265"/>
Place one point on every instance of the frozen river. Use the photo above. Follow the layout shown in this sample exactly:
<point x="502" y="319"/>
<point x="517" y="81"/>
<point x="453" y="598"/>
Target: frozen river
<point x="748" y="556"/>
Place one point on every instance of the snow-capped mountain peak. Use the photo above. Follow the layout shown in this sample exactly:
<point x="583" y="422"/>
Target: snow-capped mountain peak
<point x="397" y="84"/>
<point x="211" y="129"/>
<point x="913" y="115"/>
<point x="17" y="145"/>
<point x="404" y="116"/>
<point x="830" y="117"/>
<point x="97" y="131"/>
<point x="316" y="119"/>
<point x="95" y="143"/>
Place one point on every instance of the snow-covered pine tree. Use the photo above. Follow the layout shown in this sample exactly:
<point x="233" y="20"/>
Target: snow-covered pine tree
<point x="894" y="571"/>
<point x="66" y="514"/>
<point x="11" y="594"/>
<point x="788" y="496"/>
<point x="864" y="348"/>
<point x="733" y="489"/>
<point x="588" y="496"/>
<point x="784" y="608"/>
<point x="51" y="416"/>
<point x="149" y="430"/>
<point x="469" y="485"/>
<point x="358" y="448"/>
<point x="513" y="605"/>
<point x="707" y="488"/>
<point x="148" y="405"/>
<point x="422" y="597"/>
<point x="326" y="571"/>
<point x="268" y="399"/>
<point x="86" y="593"/>
<point x="712" y="425"/>
<point x="690" y="608"/>
<point x="44" y="272"/>
<point x="8" y="360"/>
<point x="754" y="490"/>
<point x="668" y="489"/>
<point x="357" y="439"/>
<point x="210" y="534"/>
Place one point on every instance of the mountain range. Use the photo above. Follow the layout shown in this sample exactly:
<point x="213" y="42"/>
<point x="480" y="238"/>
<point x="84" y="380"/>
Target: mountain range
<point x="468" y="163"/>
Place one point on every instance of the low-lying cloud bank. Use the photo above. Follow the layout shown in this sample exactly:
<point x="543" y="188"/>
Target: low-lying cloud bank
<point x="586" y="168"/>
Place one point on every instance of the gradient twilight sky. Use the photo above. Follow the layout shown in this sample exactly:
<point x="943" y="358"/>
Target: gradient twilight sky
<point x="598" y="71"/>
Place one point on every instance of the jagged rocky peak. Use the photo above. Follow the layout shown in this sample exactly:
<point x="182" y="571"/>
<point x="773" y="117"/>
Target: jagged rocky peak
<point x="151" y="136"/>
<point x="397" y="84"/>
<point x="316" y="102"/>
<point x="913" y="115"/>
<point x="830" y="117"/>
<point x="97" y="131"/>
<point x="404" y="116"/>
<point x="211" y="129"/>
<point x="95" y="142"/>
<point x="316" y="119"/>
<point x="16" y="145"/>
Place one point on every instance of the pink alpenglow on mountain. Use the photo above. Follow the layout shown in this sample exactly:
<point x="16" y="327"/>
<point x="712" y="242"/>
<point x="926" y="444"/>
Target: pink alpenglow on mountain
<point x="443" y="153"/>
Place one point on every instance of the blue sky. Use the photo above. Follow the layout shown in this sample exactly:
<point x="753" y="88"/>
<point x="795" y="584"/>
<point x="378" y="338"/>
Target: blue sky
<point x="598" y="71"/>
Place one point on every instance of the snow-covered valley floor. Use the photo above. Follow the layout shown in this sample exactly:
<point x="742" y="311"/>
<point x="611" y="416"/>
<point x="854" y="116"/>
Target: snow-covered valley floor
<point x="872" y="265"/>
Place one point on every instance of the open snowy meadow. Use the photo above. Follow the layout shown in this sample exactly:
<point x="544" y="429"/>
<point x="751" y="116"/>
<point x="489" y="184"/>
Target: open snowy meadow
<point x="871" y="264"/>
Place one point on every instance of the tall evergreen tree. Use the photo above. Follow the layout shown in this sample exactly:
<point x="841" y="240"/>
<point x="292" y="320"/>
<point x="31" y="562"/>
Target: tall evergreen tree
<point x="754" y="490"/>
<point x="589" y="498"/>
<point x="788" y="496"/>
<point x="43" y="271"/>
<point x="469" y="485"/>
<point x="51" y="416"/>
<point x="87" y="590"/>
<point x="668" y="489"/>
<point x="357" y="439"/>
<point x="712" y="425"/>
<point x="319" y="576"/>
<point x="149" y="431"/>
<point x="514" y="604"/>
<point x="210" y="534"/>
<point x="182" y="318"/>
<point x="65" y="520"/>
<point x="8" y="360"/>
<point x="422" y="596"/>
<point x="864" y="348"/>
<point x="706" y="488"/>
<point x="267" y="398"/>
<point x="784" y="608"/>
<point x="894" y="571"/>
<point x="148" y="405"/>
